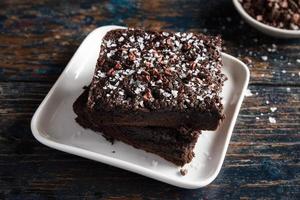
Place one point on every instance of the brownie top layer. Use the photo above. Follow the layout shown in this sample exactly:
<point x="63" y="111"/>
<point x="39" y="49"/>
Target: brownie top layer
<point x="151" y="70"/>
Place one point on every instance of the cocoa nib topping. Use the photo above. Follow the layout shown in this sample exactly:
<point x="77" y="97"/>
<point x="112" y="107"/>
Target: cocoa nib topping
<point x="159" y="70"/>
<point x="283" y="14"/>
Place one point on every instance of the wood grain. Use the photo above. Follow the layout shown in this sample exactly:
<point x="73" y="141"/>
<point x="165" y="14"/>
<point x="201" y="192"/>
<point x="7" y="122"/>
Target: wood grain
<point x="37" y="40"/>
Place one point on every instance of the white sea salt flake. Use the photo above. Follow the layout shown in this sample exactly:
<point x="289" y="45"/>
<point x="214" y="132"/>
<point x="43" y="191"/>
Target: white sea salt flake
<point x="294" y="26"/>
<point x="121" y="39"/>
<point x="121" y="93"/>
<point x="165" y="34"/>
<point x="200" y="98"/>
<point x="140" y="40"/>
<point x="190" y="35"/>
<point x="273" y="109"/>
<point x="132" y="39"/>
<point x="174" y="93"/>
<point x="272" y="120"/>
<point x="166" y="94"/>
<point x="141" y="103"/>
<point x="178" y="34"/>
<point x="137" y="90"/>
<point x="264" y="58"/>
<point x="248" y="93"/>
<point x="108" y="43"/>
<point x="101" y="74"/>
<point x="111" y="87"/>
<point x="157" y="44"/>
<point x="159" y="81"/>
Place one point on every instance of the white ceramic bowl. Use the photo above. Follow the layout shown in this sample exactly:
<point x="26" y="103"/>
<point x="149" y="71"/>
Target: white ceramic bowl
<point x="269" y="30"/>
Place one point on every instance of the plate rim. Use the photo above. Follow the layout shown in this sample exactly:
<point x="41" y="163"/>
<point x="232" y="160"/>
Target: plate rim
<point x="125" y="164"/>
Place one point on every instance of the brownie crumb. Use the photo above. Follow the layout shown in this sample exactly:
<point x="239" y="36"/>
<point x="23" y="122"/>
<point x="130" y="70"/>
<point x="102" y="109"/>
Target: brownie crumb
<point x="284" y="14"/>
<point x="183" y="172"/>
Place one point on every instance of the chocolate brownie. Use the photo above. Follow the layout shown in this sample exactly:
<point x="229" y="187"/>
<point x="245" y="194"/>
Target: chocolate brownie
<point x="152" y="78"/>
<point x="174" y="145"/>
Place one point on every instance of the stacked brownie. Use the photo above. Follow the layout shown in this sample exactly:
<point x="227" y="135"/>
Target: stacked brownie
<point x="155" y="91"/>
<point x="284" y="14"/>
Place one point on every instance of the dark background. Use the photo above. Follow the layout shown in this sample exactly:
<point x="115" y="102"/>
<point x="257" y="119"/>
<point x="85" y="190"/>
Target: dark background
<point x="39" y="37"/>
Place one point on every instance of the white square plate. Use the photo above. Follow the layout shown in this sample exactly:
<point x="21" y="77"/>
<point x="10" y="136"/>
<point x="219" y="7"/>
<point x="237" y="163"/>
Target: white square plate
<point x="53" y="123"/>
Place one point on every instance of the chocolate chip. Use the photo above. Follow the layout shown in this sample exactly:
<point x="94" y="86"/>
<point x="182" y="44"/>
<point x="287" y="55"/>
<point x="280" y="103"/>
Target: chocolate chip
<point x="148" y="95"/>
<point x="193" y="65"/>
<point x="168" y="71"/>
<point x="155" y="72"/>
<point x="145" y="73"/>
<point x="131" y="56"/>
<point x="118" y="66"/>
<point x="111" y="72"/>
<point x="156" y="93"/>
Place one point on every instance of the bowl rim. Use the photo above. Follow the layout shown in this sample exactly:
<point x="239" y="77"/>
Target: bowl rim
<point x="242" y="11"/>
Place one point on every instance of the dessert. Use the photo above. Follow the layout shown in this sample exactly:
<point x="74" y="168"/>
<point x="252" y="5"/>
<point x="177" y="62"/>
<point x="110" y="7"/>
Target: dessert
<point x="283" y="14"/>
<point x="173" y="145"/>
<point x="149" y="78"/>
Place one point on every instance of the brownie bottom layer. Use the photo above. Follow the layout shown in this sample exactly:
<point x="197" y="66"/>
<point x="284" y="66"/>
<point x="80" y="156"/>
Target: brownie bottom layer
<point x="196" y="120"/>
<point x="174" y="145"/>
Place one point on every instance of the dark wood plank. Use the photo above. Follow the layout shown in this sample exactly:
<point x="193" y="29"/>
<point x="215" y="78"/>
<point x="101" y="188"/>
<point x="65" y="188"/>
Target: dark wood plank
<point x="262" y="160"/>
<point x="38" y="39"/>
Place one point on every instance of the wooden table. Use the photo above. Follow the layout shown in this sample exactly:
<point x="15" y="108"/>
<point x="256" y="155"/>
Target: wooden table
<point x="38" y="39"/>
